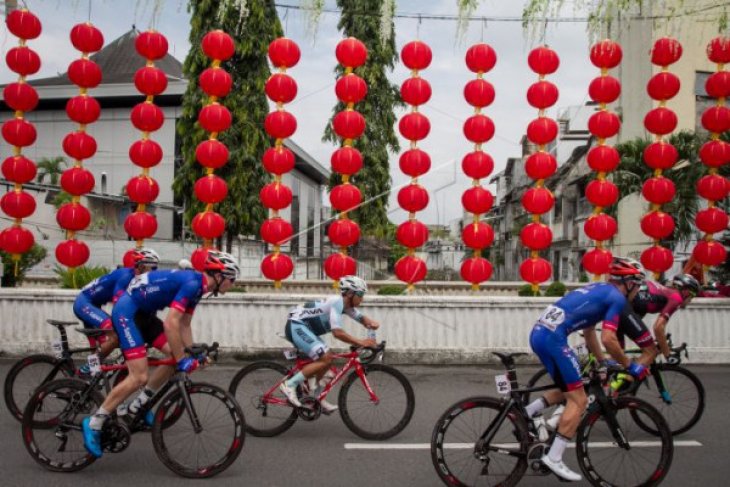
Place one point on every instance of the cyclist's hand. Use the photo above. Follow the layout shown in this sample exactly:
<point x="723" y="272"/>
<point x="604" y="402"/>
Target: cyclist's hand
<point x="638" y="371"/>
<point x="674" y="359"/>
<point x="369" y="343"/>
<point x="187" y="364"/>
<point x="374" y="325"/>
<point x="603" y="370"/>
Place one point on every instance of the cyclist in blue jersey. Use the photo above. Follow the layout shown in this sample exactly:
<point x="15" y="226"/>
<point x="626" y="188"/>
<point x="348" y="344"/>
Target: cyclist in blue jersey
<point x="580" y="309"/>
<point x="178" y="290"/>
<point x="316" y="318"/>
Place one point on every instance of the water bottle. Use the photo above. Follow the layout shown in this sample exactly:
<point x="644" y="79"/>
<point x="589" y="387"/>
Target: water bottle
<point x="122" y="410"/>
<point x="372" y="334"/>
<point x="553" y="421"/>
<point x="326" y="378"/>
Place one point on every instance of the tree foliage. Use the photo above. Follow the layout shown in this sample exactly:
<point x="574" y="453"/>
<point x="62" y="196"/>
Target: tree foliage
<point x="80" y="276"/>
<point x="253" y="30"/>
<point x="51" y="167"/>
<point x="14" y="275"/>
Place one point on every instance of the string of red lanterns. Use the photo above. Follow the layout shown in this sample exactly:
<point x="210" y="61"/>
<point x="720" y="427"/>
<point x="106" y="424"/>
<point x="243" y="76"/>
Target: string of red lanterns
<point x="602" y="158"/>
<point x="146" y="153"/>
<point x="278" y="160"/>
<point x="478" y="129"/>
<point x="212" y="154"/>
<point x="82" y="109"/>
<point x="349" y="125"/>
<point x="19" y="133"/>
<point x="537" y="200"/>
<point x="714" y="153"/>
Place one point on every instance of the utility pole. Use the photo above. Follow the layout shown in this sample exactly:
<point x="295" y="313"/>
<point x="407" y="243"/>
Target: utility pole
<point x="10" y="5"/>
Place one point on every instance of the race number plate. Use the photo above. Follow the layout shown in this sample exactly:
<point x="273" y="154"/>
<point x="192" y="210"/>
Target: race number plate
<point x="290" y="353"/>
<point x="94" y="364"/>
<point x="57" y="348"/>
<point x="503" y="385"/>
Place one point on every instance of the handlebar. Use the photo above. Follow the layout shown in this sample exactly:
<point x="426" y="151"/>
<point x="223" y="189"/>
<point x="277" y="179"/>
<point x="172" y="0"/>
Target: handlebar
<point x="369" y="354"/>
<point x="203" y="351"/>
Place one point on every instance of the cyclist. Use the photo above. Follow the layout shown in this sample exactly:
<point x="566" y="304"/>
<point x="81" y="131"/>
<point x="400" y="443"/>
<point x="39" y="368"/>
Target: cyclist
<point x="307" y="323"/>
<point x="179" y="290"/>
<point x="580" y="309"/>
<point x="108" y="288"/>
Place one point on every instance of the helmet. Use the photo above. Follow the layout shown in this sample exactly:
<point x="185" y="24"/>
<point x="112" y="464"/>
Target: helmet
<point x="354" y="284"/>
<point x="184" y="264"/>
<point x="626" y="269"/>
<point x="223" y="263"/>
<point x="141" y="256"/>
<point x="686" y="281"/>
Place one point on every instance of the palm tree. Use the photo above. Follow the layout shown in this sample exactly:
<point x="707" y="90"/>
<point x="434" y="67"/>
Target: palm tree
<point x="51" y="167"/>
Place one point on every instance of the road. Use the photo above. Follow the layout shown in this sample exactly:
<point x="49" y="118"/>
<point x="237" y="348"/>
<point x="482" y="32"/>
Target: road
<point x="315" y="454"/>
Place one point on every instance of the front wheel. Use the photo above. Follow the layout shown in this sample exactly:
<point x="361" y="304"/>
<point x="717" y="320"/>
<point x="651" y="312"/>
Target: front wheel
<point x="209" y="449"/>
<point x="383" y="416"/>
<point x="27" y="374"/>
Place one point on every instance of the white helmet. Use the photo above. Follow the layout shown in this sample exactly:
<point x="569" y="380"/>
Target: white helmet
<point x="223" y="262"/>
<point x="184" y="264"/>
<point x="146" y="256"/>
<point x="354" y="284"/>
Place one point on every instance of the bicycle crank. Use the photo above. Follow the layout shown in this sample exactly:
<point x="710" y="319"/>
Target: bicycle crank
<point x="310" y="410"/>
<point x="115" y="437"/>
<point x="534" y="455"/>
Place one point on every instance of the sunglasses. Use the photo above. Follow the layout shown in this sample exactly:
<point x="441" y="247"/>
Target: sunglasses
<point x="359" y="294"/>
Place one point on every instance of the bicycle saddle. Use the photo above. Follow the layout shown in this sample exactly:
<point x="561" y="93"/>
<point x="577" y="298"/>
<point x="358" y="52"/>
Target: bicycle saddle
<point x="61" y="323"/>
<point x="508" y="359"/>
<point x="93" y="332"/>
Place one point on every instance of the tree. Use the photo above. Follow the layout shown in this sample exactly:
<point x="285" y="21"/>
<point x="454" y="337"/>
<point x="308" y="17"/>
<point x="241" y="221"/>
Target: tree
<point x="14" y="272"/>
<point x="252" y="30"/>
<point x="52" y="167"/>
<point x="378" y="109"/>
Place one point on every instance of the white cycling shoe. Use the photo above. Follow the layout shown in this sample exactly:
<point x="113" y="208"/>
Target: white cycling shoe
<point x="560" y="469"/>
<point x="328" y="408"/>
<point x="290" y="393"/>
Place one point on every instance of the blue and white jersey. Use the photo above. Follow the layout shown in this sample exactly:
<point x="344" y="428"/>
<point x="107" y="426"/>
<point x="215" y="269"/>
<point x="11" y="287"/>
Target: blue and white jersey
<point x="323" y="316"/>
<point x="108" y="287"/>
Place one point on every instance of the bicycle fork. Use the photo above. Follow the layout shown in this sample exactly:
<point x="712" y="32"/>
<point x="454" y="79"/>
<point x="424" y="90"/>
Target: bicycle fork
<point x="182" y="386"/>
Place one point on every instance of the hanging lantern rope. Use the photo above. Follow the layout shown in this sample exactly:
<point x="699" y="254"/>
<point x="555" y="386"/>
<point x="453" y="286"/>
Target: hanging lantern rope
<point x="602" y="158"/>
<point x="714" y="154"/>
<point x="478" y="129"/>
<point x="278" y="160"/>
<point x="349" y="125"/>
<point x="537" y="236"/>
<point x="19" y="133"/>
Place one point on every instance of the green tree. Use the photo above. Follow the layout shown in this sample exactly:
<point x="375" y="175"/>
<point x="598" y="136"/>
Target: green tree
<point x="51" y="167"/>
<point x="378" y="109"/>
<point x="246" y="139"/>
<point x="14" y="274"/>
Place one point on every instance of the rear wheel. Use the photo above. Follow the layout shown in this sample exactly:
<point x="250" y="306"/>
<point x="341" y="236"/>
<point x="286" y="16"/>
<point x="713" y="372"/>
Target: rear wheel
<point x="27" y="374"/>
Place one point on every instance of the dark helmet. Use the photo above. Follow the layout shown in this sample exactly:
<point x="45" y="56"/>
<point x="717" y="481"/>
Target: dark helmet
<point x="686" y="281"/>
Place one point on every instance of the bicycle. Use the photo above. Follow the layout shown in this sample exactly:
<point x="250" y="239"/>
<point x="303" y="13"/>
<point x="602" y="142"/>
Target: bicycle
<point x="53" y="436"/>
<point x="678" y="393"/>
<point x="491" y="441"/>
<point x="269" y="413"/>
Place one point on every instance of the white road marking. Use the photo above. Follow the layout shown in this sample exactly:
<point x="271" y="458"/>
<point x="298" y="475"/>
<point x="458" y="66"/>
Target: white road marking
<point x="465" y="446"/>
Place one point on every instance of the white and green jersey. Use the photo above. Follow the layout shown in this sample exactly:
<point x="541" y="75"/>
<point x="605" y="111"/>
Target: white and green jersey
<point x="323" y="316"/>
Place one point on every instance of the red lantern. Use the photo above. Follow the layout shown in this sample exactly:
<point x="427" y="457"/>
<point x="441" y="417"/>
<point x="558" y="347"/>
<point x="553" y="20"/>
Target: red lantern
<point x="145" y="153"/>
<point x="17" y="240"/>
<point x="277" y="267"/>
<point x="477" y="164"/>
<point x="603" y="158"/>
<point x="77" y="181"/>
<point x="540" y="165"/>
<point x="142" y="189"/>
<point x="718" y="50"/>
<point x="351" y="52"/>
<point x="663" y="86"/>
<point x="84" y="73"/>
<point x="657" y="259"/>
<point x="23" y="24"/>
<point x="17" y="204"/>
<point x="216" y="118"/>
<point x="709" y="253"/>
<point x="23" y="60"/>
<point x="535" y="270"/>
<point x="140" y="225"/>
<point x="542" y="130"/>
<point x="208" y="225"/>
<point x="718" y="84"/>
<point x="660" y="155"/>
<point x="658" y="190"/>
<point x="412" y="234"/>
<point x="218" y="45"/>
<point x="414" y="126"/>
<point x="351" y="88"/>
<point x="415" y="91"/>
<point x="18" y="132"/>
<point x="666" y="51"/>
<point x="72" y="253"/>
<point x="606" y="54"/>
<point x="660" y="121"/>
<point x="348" y="124"/>
<point x="478" y="92"/>
<point x="414" y="162"/>
<point x="477" y="200"/>
<point x="278" y="160"/>
<point x="210" y="189"/>
<point x="345" y="197"/>
<point x="346" y="160"/>
<point x="410" y="269"/>
<point x="416" y="55"/>
<point x="536" y="236"/>
<point x="147" y="117"/>
<point x="284" y="53"/>
<point x="543" y="60"/>
<point x="712" y="187"/>
<point x="276" y="196"/>
<point x="276" y="231"/>
<point x="413" y="198"/>
<point x="657" y="224"/>
<point x="710" y="220"/>
<point x="716" y="119"/>
<point x="211" y="153"/>
<point x="73" y="216"/>
<point x="479" y="129"/>
<point x="83" y="109"/>
<point x="604" y="124"/>
<point x="538" y="200"/>
<point x="600" y="227"/>
<point x="19" y="169"/>
<point x="542" y="94"/>
<point x="715" y="153"/>
<point x="477" y="235"/>
<point x="601" y="193"/>
<point x="150" y="81"/>
<point x="344" y="232"/>
<point x="86" y="38"/>
<point x="604" y="89"/>
<point x="280" y="88"/>
<point x="338" y="265"/>
<point x="20" y="97"/>
<point x="481" y="58"/>
<point x="597" y="261"/>
<point x="151" y="45"/>
<point x="476" y="270"/>
<point x="280" y="124"/>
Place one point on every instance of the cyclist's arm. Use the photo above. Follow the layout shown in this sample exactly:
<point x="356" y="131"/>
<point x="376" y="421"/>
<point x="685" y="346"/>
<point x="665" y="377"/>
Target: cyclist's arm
<point x="343" y="336"/>
<point x="356" y="315"/>
<point x="177" y="330"/>
<point x="592" y="343"/>
<point x="369" y="323"/>
<point x="660" y="333"/>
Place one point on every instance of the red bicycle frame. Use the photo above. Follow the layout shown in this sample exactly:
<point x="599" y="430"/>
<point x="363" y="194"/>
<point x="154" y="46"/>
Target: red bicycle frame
<point x="151" y="362"/>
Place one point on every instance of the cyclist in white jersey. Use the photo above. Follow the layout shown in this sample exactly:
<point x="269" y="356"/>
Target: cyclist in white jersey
<point x="308" y="322"/>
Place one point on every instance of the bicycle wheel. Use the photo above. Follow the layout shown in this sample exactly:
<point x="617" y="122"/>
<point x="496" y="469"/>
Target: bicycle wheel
<point x="26" y="375"/>
<point x="645" y="463"/>
<point x="681" y="402"/>
<point x="52" y="424"/>
<point x="381" y="419"/>
<point x="267" y="411"/>
<point x="212" y="449"/>
<point x="458" y="460"/>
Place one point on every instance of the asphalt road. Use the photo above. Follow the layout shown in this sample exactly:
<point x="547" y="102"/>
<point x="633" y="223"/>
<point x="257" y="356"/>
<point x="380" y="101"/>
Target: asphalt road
<point x="314" y="453"/>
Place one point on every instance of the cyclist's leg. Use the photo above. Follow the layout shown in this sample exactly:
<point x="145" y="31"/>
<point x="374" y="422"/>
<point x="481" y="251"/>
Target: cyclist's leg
<point x="550" y="397"/>
<point x="310" y="344"/>
<point x="153" y="333"/>
<point x="94" y="317"/>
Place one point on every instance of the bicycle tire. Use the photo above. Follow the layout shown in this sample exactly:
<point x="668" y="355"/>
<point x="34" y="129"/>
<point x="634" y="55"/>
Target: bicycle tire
<point x="68" y="390"/>
<point x="231" y="446"/>
<point x="259" y="422"/>
<point x="588" y="461"/>
<point x="13" y="395"/>
<point x="452" y="421"/>
<point x="346" y="411"/>
<point x="678" y="423"/>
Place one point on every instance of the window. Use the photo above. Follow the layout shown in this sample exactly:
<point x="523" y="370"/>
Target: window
<point x="558" y="209"/>
<point x="103" y="183"/>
